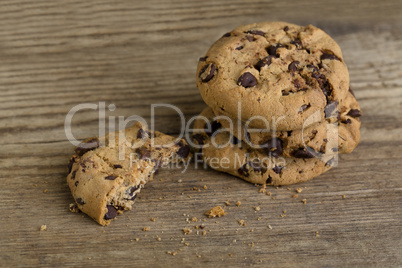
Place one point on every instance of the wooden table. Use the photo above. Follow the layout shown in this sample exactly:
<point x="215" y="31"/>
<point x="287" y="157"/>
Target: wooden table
<point x="55" y="55"/>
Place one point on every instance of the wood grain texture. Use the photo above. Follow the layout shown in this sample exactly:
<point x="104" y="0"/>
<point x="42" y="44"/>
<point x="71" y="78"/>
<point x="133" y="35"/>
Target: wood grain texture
<point x="57" y="54"/>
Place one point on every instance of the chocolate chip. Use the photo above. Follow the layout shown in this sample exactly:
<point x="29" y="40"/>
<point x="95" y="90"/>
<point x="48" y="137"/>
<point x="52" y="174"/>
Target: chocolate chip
<point x="289" y="133"/>
<point x="303" y="108"/>
<point x="87" y="145"/>
<point x="269" y="180"/>
<point x="329" y="56"/>
<point x="110" y="178"/>
<point x="264" y="62"/>
<point x="207" y="72"/>
<point x="215" y="125"/>
<point x="293" y="66"/>
<point x="234" y="140"/>
<point x="141" y="134"/>
<point x="243" y="171"/>
<point x="199" y="138"/>
<point x="70" y="164"/>
<point x="256" y="32"/>
<point x="274" y="146"/>
<point x="258" y="167"/>
<point x="330" y="162"/>
<point x="73" y="174"/>
<point x="277" y="169"/>
<point x="330" y="108"/>
<point x="347" y="121"/>
<point x="286" y="28"/>
<point x="132" y="193"/>
<point x="250" y="38"/>
<point x="354" y="113"/>
<point x="183" y="151"/>
<point x="143" y="152"/>
<point x="111" y="212"/>
<point x="323" y="83"/>
<point x="226" y="35"/>
<point x="303" y="153"/>
<point x="117" y="166"/>
<point x="297" y="83"/>
<point x="297" y="42"/>
<point x="312" y="66"/>
<point x="203" y="58"/>
<point x="80" y="201"/>
<point x="247" y="80"/>
<point x="272" y="50"/>
<point x="76" y="183"/>
<point x="239" y="48"/>
<point x="285" y="93"/>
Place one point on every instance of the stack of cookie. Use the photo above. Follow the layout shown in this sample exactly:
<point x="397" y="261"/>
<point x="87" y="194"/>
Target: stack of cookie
<point x="280" y="107"/>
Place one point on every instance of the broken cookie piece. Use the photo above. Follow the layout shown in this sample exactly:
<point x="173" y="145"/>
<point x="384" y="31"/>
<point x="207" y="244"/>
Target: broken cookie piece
<point x="215" y="212"/>
<point x="107" y="173"/>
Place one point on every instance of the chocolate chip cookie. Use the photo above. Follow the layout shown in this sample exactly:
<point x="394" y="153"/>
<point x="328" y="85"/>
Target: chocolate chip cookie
<point x="106" y="174"/>
<point x="280" y="72"/>
<point x="323" y="137"/>
<point x="223" y="152"/>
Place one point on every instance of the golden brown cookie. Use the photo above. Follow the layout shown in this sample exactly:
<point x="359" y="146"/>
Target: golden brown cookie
<point x="223" y="152"/>
<point x="106" y="174"/>
<point x="281" y="72"/>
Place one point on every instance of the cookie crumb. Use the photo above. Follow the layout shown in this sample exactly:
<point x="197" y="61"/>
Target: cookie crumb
<point x="159" y="239"/>
<point x="269" y="227"/>
<point x="73" y="208"/>
<point x="238" y="203"/>
<point x="251" y="244"/>
<point x="317" y="234"/>
<point x="198" y="255"/>
<point x="205" y="187"/>
<point x="299" y="190"/>
<point x="304" y="201"/>
<point x="204" y="232"/>
<point x="242" y="222"/>
<point x="187" y="231"/>
<point x="43" y="227"/>
<point x="295" y="196"/>
<point x="215" y="212"/>
<point x="153" y="219"/>
<point x="259" y="218"/>
<point x="179" y="181"/>
<point x="186" y="244"/>
<point x="46" y="190"/>
<point x="137" y="239"/>
<point x="263" y="189"/>
<point x="257" y="208"/>
<point x="269" y="193"/>
<point x="194" y="219"/>
<point x="227" y="203"/>
<point x="343" y="196"/>
<point x="230" y="254"/>
<point x="146" y="229"/>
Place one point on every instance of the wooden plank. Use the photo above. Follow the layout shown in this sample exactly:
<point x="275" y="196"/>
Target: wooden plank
<point x="55" y="55"/>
